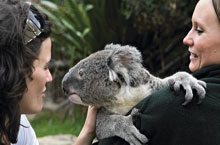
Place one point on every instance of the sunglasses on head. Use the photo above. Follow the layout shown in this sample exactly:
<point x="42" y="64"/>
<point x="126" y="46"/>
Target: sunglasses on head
<point x="32" y="27"/>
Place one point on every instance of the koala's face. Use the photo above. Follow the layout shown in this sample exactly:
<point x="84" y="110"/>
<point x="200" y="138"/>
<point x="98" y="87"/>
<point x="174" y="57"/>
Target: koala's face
<point x="97" y="79"/>
<point x="88" y="82"/>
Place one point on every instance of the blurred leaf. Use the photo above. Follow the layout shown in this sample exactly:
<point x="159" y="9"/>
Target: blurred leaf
<point x="50" y="5"/>
<point x="85" y="32"/>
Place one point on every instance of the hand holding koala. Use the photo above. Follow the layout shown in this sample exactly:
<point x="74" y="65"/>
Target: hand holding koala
<point x="114" y="80"/>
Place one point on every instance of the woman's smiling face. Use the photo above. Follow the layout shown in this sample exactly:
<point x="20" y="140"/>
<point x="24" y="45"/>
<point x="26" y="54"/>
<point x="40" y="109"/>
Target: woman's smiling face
<point x="204" y="37"/>
<point x="32" y="101"/>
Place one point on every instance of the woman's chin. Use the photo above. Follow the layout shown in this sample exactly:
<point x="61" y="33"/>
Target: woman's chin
<point x="193" y="67"/>
<point x="37" y="109"/>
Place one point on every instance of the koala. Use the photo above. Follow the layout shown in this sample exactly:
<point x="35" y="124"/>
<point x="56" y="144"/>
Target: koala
<point x="114" y="80"/>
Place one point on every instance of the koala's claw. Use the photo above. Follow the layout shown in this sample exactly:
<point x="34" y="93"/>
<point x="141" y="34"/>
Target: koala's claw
<point x="199" y="87"/>
<point x="201" y="91"/>
<point x="202" y="83"/>
<point x="189" y="83"/>
<point x="186" y="102"/>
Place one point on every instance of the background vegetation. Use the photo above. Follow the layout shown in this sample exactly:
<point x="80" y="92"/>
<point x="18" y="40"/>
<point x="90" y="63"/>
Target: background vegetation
<point x="52" y="123"/>
<point x="80" y="27"/>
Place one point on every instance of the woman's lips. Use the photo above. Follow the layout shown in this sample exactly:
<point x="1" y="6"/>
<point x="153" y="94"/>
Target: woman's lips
<point x="193" y="56"/>
<point x="43" y="93"/>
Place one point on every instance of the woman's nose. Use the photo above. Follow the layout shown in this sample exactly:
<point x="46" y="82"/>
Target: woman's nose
<point x="49" y="77"/>
<point x="188" y="40"/>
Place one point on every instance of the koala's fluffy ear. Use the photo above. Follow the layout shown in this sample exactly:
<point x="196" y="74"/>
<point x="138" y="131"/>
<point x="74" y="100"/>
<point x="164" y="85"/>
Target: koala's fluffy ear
<point x="124" y="61"/>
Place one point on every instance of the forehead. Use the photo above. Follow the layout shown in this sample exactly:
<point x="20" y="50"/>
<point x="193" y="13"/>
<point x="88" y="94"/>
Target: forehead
<point x="45" y="50"/>
<point x="204" y="12"/>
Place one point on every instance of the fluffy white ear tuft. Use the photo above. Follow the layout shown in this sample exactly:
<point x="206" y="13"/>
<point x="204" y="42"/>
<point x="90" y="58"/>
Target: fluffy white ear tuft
<point x="124" y="72"/>
<point x="112" y="75"/>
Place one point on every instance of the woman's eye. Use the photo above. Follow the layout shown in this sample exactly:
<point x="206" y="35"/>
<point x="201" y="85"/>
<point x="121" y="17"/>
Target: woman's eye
<point x="199" y="30"/>
<point x="46" y="67"/>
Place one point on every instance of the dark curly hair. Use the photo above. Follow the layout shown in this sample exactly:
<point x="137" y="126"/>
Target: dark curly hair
<point x="16" y="61"/>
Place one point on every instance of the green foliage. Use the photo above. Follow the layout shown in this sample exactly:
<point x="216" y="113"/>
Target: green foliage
<point x="157" y="15"/>
<point x="161" y="26"/>
<point x="71" y="31"/>
<point x="108" y="23"/>
<point x="48" y="123"/>
<point x="81" y="28"/>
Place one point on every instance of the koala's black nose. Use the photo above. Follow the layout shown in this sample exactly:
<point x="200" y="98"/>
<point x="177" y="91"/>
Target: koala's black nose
<point x="65" y="91"/>
<point x="64" y="86"/>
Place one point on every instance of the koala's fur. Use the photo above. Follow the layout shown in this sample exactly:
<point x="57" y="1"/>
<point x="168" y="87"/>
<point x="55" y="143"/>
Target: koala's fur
<point x="114" y="80"/>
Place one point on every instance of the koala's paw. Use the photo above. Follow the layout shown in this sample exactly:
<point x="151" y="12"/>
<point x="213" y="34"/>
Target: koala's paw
<point x="109" y="125"/>
<point x="188" y="82"/>
<point x="129" y="132"/>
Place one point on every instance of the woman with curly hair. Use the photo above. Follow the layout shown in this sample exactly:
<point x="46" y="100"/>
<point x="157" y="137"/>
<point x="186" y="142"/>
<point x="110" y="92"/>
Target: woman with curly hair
<point x="25" y="51"/>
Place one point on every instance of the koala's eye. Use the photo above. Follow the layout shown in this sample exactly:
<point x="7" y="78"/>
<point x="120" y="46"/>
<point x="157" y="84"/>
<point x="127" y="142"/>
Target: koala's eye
<point x="80" y="73"/>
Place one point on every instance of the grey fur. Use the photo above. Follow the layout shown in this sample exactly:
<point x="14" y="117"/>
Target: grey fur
<point x="114" y="80"/>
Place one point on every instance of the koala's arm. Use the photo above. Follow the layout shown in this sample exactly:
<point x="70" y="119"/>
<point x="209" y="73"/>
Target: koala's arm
<point x="109" y="125"/>
<point x="187" y="81"/>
